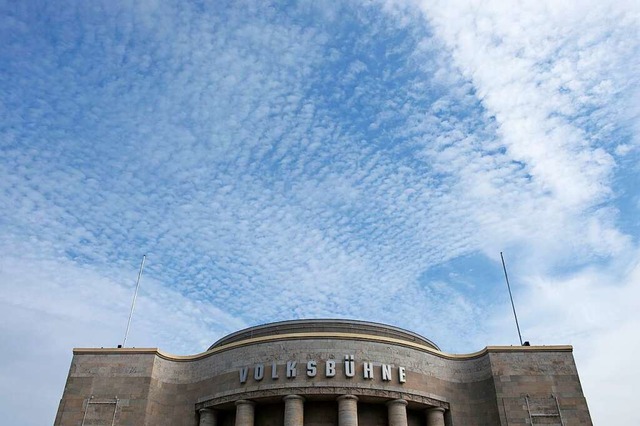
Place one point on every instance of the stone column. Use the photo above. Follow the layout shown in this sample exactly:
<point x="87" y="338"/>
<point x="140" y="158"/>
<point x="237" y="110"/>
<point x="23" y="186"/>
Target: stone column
<point x="293" y="410"/>
<point x="397" y="412"/>
<point x="245" y="412"/>
<point x="207" y="417"/>
<point x="347" y="410"/>
<point x="435" y="416"/>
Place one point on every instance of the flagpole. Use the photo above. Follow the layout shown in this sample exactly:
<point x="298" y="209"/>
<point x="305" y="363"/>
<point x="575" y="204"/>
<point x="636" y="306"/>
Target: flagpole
<point x="513" y="306"/>
<point x="133" y="303"/>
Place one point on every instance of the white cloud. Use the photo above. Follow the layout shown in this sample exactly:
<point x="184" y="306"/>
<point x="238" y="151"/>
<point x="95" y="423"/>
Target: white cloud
<point x="555" y="78"/>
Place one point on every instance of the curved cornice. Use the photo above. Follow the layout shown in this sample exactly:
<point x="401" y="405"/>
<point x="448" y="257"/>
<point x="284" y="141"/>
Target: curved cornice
<point x="321" y="336"/>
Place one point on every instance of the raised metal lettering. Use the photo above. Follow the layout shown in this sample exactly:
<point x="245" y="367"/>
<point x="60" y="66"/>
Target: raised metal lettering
<point x="386" y="372"/>
<point x="349" y="366"/>
<point x="291" y="369"/>
<point x="368" y="370"/>
<point x="258" y="372"/>
<point x="330" y="368"/>
<point x="311" y="369"/>
<point x="244" y="372"/>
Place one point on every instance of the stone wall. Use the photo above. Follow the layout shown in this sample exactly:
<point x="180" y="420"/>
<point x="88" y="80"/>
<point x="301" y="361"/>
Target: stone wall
<point x="547" y="382"/>
<point x="101" y="380"/>
<point x="490" y="387"/>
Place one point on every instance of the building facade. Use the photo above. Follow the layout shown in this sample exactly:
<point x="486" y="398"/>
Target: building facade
<point x="324" y="373"/>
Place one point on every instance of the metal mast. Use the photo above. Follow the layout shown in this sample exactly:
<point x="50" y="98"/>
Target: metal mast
<point x="506" y="277"/>
<point x="133" y="303"/>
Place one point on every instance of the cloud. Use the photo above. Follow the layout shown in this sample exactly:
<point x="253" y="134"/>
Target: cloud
<point x="258" y="184"/>
<point x="538" y="69"/>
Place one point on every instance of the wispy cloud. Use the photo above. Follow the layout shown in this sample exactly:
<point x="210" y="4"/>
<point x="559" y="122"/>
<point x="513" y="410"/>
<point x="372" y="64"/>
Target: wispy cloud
<point x="554" y="78"/>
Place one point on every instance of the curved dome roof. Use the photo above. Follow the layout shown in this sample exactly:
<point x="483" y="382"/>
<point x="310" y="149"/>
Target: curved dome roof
<point x="324" y="326"/>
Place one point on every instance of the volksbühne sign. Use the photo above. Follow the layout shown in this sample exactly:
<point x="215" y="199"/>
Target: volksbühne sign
<point x="385" y="371"/>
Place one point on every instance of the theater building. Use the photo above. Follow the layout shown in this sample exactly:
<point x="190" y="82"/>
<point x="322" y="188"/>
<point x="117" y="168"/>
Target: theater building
<point x="324" y="373"/>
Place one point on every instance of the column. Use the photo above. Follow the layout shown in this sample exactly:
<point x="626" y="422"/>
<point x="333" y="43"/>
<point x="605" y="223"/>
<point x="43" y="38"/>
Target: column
<point x="293" y="410"/>
<point x="347" y="410"/>
<point x="207" y="417"/>
<point x="397" y="412"/>
<point x="244" y="412"/>
<point x="435" y="416"/>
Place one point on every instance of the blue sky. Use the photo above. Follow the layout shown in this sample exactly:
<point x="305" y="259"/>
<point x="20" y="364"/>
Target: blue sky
<point x="364" y="160"/>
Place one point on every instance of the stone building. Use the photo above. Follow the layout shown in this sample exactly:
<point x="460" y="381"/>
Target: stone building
<point x="321" y="373"/>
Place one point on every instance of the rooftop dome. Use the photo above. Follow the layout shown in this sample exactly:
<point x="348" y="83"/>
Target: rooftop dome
<point x="325" y="326"/>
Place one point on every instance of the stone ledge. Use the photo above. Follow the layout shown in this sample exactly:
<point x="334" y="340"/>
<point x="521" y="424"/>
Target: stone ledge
<point x="321" y="336"/>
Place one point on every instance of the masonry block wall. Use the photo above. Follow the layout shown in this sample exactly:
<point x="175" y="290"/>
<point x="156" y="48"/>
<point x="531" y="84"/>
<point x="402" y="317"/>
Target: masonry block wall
<point x="390" y="377"/>
<point x="538" y="386"/>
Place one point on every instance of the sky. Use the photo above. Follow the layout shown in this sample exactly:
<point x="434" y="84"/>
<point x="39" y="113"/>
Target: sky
<point x="350" y="159"/>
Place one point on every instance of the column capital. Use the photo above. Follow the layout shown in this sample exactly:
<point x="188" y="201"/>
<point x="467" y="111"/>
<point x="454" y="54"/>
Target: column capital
<point x="293" y="410"/>
<point x="397" y="402"/>
<point x="293" y="397"/>
<point x="397" y="412"/>
<point x="435" y="416"/>
<point x="207" y="417"/>
<point x="245" y="412"/>
<point x="347" y="397"/>
<point x="347" y="410"/>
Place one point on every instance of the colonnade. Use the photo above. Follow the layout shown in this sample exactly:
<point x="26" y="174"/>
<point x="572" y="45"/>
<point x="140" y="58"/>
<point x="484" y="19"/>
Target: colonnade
<point x="347" y="412"/>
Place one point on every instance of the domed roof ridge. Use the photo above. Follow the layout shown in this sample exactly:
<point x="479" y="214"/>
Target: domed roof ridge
<point x="325" y="325"/>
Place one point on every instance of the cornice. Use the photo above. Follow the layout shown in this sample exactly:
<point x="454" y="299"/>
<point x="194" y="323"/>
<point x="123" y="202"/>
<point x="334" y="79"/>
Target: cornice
<point x="320" y="336"/>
